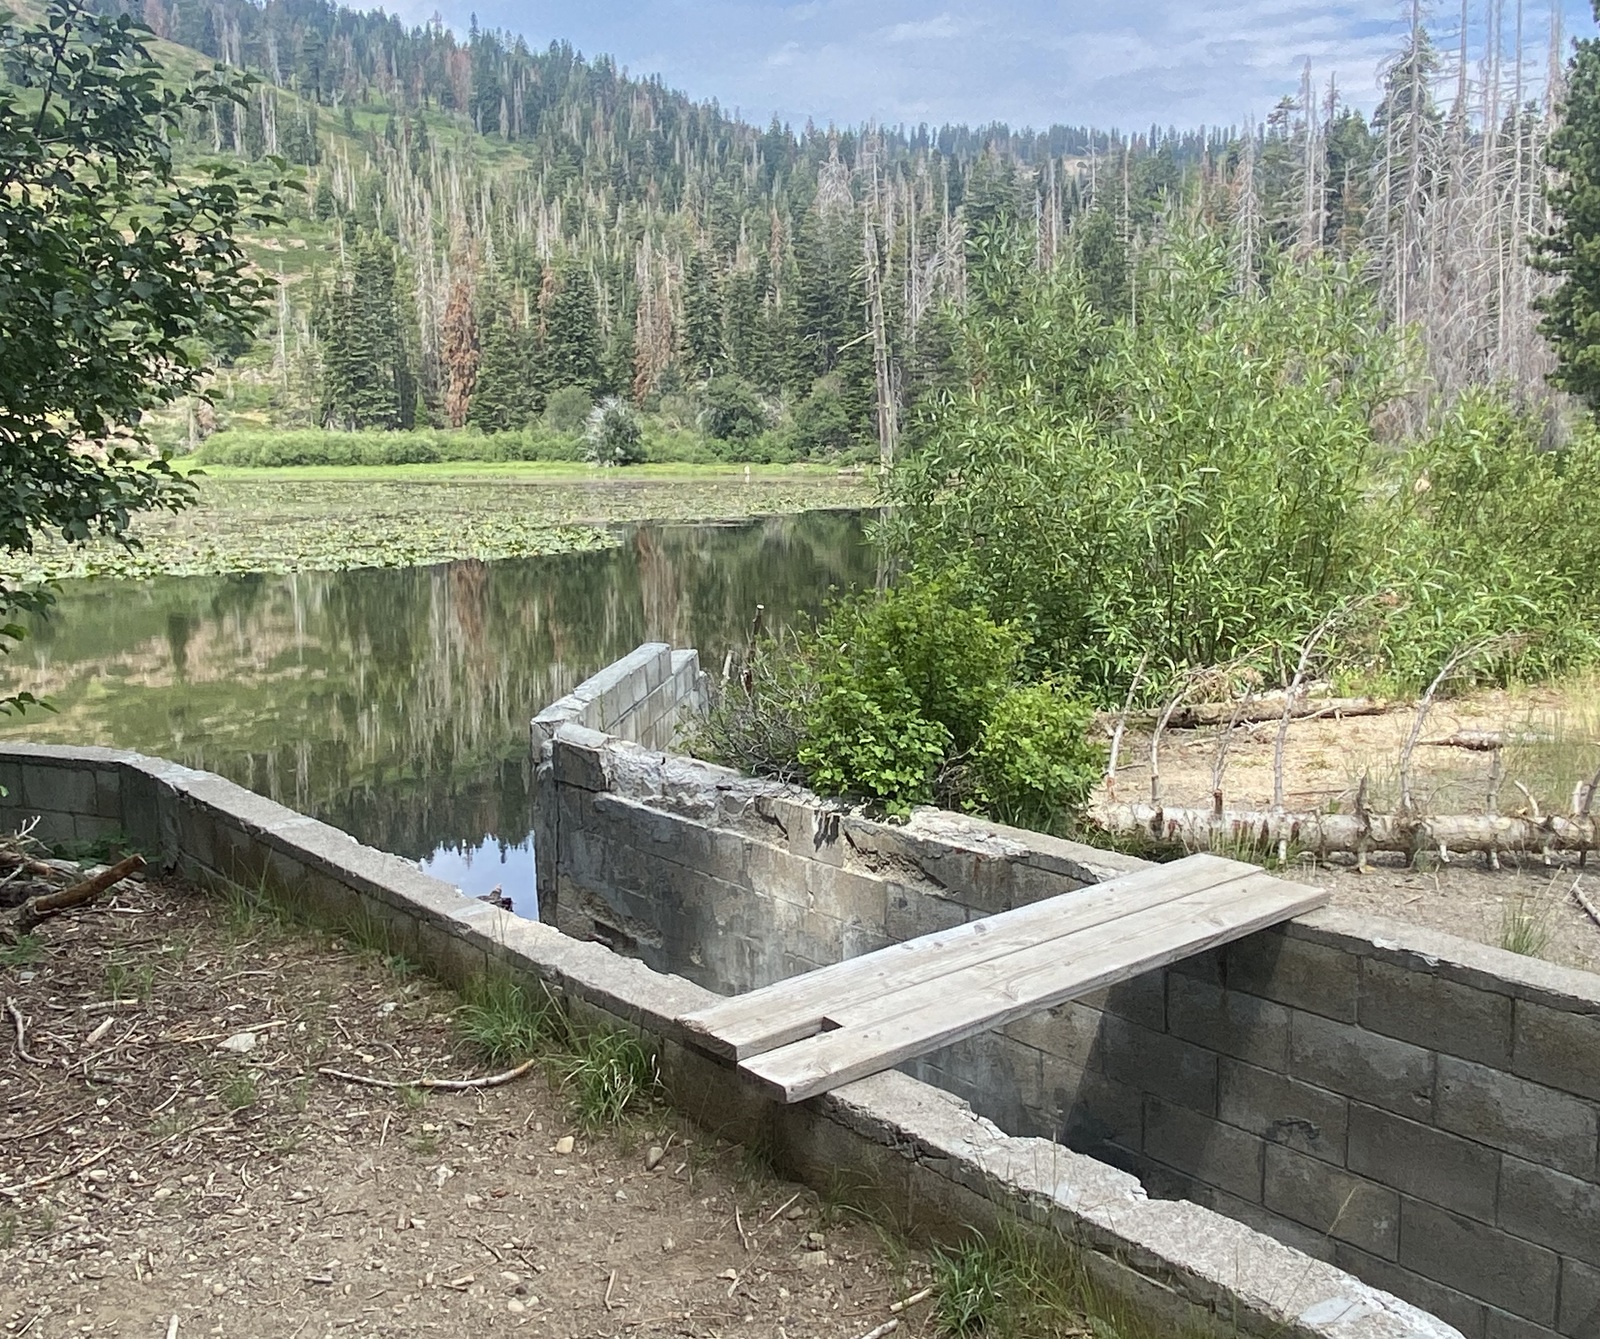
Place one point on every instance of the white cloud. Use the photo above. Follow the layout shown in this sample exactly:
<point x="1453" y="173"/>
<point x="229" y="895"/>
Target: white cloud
<point x="939" y="28"/>
<point x="1027" y="62"/>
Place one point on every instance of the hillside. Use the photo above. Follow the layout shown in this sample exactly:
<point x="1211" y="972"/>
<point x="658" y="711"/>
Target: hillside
<point x="486" y="225"/>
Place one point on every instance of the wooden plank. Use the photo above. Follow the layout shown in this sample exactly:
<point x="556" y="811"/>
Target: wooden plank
<point x="874" y="1036"/>
<point x="792" y="1010"/>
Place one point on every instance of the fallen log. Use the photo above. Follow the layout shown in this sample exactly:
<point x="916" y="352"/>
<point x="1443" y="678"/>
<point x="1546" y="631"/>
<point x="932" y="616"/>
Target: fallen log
<point x="1352" y="834"/>
<point x="46" y="905"/>
<point x="1255" y="711"/>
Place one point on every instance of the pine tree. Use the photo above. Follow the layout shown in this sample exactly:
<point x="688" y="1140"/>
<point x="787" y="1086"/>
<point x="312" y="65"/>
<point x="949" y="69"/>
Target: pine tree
<point x="503" y="398"/>
<point x="1572" y="250"/>
<point x="367" y="380"/>
<point x="702" y="319"/>
<point x="571" y="349"/>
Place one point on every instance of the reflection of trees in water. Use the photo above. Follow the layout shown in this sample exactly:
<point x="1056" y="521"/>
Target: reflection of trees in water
<point x="395" y="702"/>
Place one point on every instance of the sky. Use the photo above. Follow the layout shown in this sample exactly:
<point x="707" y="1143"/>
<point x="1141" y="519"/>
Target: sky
<point x="1124" y="63"/>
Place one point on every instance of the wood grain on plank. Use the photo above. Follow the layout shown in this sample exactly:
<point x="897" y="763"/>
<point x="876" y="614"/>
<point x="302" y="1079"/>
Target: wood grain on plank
<point x="875" y="1036"/>
<point x="791" y="1010"/>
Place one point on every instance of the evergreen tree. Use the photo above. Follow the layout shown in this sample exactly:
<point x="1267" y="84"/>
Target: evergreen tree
<point x="571" y="350"/>
<point x="367" y="381"/>
<point x="504" y="397"/>
<point x="1103" y="261"/>
<point x="1572" y="250"/>
<point x="702" y="319"/>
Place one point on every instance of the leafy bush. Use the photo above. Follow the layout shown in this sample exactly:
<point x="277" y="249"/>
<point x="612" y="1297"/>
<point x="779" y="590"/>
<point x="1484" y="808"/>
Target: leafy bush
<point x="1036" y="761"/>
<point x="909" y="697"/>
<point x="822" y="422"/>
<point x="613" y="436"/>
<point x="567" y="410"/>
<point x="265" y="450"/>
<point x="734" y="412"/>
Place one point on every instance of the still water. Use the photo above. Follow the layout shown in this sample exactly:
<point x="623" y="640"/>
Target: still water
<point x="394" y="703"/>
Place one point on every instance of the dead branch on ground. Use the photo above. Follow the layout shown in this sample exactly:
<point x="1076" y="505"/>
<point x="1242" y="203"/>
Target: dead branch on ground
<point x="45" y="905"/>
<point x="437" y="1085"/>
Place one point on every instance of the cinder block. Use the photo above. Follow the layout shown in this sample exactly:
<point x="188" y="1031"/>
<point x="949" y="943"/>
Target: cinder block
<point x="1503" y="1325"/>
<point x="1158" y="1064"/>
<point x="1141" y="1000"/>
<point x="90" y="828"/>
<point x="1244" y="1026"/>
<point x="1479" y="1260"/>
<point x="1430" y="1011"/>
<point x="1579" y="1313"/>
<point x="1377" y="1070"/>
<point x="1218" y="1154"/>
<point x="1318" y="1245"/>
<point x="10" y="785"/>
<point x="1099" y="1116"/>
<point x="911" y="912"/>
<point x="1551" y="1208"/>
<point x="1283" y="1110"/>
<point x="1517" y="1116"/>
<point x="1069" y="1034"/>
<point x="108" y="792"/>
<point x="1314" y="977"/>
<point x="1345" y="1207"/>
<point x="63" y="790"/>
<point x="1422" y="1161"/>
<point x="1558" y="1048"/>
<point x="577" y="757"/>
<point x="1452" y="1307"/>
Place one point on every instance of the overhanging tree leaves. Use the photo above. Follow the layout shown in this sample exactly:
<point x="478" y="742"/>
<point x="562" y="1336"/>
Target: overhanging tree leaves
<point x="1572" y="251"/>
<point x="116" y="277"/>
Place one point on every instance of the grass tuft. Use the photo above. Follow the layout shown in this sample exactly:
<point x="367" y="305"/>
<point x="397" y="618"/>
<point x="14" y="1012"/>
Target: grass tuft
<point x="1525" y="925"/>
<point x="610" y="1075"/>
<point x="504" y="1021"/>
<point x="24" y="953"/>
<point x="239" y="1091"/>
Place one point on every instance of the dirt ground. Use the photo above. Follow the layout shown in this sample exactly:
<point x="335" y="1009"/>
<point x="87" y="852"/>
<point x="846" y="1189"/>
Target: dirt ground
<point x="1553" y="743"/>
<point x="154" y="1182"/>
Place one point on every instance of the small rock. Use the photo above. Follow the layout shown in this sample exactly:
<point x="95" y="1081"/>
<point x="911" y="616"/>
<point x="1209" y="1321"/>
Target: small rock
<point x="162" y="1193"/>
<point x="241" y="1043"/>
<point x="386" y="1008"/>
<point x="219" y="1289"/>
<point x="510" y="1277"/>
<point x="473" y="1201"/>
<point x="813" y="1260"/>
<point x="441" y="1174"/>
<point x="798" y="1212"/>
<point x="564" y="1144"/>
<point x="516" y="1307"/>
<point x="621" y="1197"/>
<point x="815" y="1241"/>
<point x="730" y="1274"/>
<point x="652" y="1159"/>
<point x="668" y="1244"/>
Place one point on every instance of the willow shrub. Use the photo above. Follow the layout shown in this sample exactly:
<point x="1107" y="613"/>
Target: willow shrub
<point x="1179" y="489"/>
<point x="909" y="697"/>
<point x="1204" y="484"/>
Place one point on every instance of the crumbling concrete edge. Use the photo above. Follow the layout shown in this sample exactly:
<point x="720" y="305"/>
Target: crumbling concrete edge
<point x="934" y="1167"/>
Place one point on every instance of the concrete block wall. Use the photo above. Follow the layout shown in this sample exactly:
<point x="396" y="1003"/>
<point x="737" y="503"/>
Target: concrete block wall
<point x="643" y="697"/>
<point x="1414" y="1108"/>
<point x="937" y="1167"/>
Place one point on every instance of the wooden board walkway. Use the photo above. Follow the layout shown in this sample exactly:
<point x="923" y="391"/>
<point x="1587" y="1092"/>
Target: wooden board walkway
<point x="825" y="1028"/>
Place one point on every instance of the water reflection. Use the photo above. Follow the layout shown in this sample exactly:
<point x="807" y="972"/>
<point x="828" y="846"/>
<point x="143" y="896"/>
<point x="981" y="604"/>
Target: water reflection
<point x="393" y="703"/>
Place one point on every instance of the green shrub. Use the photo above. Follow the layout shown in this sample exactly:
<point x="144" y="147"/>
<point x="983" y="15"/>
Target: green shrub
<point x="822" y="424"/>
<point x="734" y="412"/>
<point x="613" y="436"/>
<point x="567" y="410"/>
<point x="1037" y="761"/>
<point x="867" y="739"/>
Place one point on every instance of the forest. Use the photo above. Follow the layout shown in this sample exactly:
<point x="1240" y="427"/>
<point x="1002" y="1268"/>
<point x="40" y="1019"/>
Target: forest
<point x="493" y="238"/>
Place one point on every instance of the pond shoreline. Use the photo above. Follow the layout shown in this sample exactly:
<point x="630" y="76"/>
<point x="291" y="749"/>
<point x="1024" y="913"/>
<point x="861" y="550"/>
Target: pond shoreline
<point x="332" y="519"/>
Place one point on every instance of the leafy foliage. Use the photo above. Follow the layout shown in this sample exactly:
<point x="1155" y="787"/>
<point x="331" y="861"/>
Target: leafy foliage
<point x="116" y="277"/>
<point x="905" y="697"/>
<point x="612" y="434"/>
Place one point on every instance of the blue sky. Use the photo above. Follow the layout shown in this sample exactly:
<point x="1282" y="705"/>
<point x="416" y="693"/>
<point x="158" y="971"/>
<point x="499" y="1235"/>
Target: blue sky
<point x="1028" y="62"/>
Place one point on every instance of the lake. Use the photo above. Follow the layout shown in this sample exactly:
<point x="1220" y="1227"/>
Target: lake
<point x="394" y="702"/>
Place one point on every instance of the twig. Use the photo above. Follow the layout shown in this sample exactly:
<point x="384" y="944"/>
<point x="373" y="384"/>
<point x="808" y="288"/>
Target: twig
<point x="22" y="1034"/>
<point x="610" y="1284"/>
<point x="1466" y="653"/>
<point x="441" y="1085"/>
<point x="71" y="1170"/>
<point x="738" y="1222"/>
<point x="888" y="1327"/>
<point x="41" y="908"/>
<point x="172" y="1327"/>
<point x="772" y="1217"/>
<point x="1122" y="726"/>
<point x="907" y="1303"/>
<point x="1589" y="907"/>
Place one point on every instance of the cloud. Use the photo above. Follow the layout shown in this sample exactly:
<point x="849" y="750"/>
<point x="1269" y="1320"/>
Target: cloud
<point x="1026" y="62"/>
<point x="937" y="29"/>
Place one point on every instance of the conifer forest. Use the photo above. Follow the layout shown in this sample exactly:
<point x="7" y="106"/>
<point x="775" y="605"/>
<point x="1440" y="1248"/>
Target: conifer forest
<point x="494" y="236"/>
